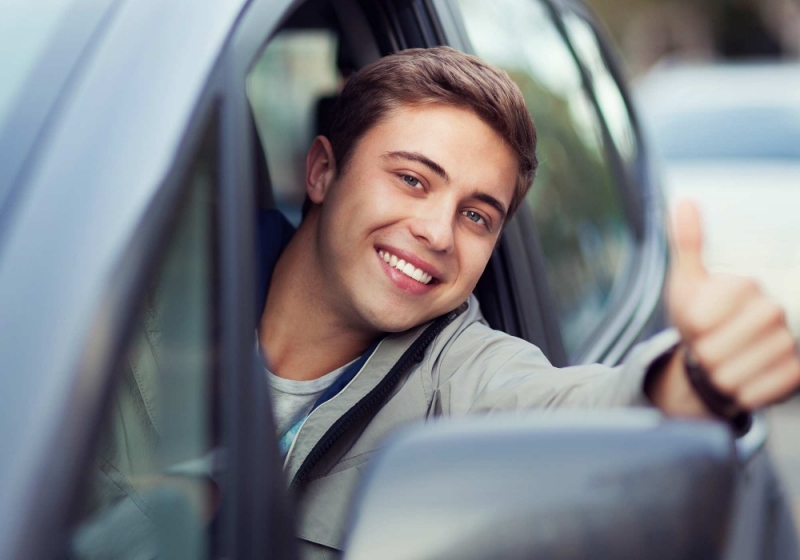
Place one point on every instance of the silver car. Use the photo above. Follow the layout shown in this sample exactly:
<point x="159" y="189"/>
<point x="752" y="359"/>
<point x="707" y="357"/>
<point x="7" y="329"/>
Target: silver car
<point x="138" y="141"/>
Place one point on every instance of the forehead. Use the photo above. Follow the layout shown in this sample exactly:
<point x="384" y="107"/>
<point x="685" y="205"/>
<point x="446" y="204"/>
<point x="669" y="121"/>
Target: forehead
<point x="471" y="152"/>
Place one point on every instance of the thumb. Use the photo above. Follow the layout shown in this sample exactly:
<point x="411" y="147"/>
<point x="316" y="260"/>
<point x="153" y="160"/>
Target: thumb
<point x="686" y="241"/>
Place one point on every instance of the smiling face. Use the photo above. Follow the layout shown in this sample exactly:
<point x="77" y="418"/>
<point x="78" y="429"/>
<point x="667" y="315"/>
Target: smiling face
<point x="405" y="231"/>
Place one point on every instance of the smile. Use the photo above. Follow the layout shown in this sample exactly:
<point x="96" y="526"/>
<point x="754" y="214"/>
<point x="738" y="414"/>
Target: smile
<point x="405" y="267"/>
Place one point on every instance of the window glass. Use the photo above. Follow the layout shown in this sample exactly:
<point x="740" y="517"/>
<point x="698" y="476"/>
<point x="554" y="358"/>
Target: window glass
<point x="291" y="90"/>
<point x="150" y="488"/>
<point x="575" y="199"/>
<point x="609" y="96"/>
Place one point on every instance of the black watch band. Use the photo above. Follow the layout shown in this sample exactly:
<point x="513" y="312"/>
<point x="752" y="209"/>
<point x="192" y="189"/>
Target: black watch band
<point x="720" y="404"/>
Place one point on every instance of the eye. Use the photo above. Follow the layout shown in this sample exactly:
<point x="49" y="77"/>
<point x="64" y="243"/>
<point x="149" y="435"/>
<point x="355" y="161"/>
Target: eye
<point x="411" y="181"/>
<point x="473" y="216"/>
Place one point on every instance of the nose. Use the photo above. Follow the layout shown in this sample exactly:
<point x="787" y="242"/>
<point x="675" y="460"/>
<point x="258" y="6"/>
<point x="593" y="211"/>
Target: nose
<point x="433" y="226"/>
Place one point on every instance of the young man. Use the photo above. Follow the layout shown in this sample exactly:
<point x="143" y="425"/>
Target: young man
<point x="368" y="320"/>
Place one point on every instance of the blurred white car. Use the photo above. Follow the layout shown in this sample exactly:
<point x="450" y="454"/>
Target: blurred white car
<point x="729" y="135"/>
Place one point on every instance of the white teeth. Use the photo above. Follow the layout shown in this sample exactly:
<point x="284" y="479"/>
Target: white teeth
<point x="406" y="268"/>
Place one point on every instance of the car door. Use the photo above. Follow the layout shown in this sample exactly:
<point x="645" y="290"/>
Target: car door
<point x="138" y="428"/>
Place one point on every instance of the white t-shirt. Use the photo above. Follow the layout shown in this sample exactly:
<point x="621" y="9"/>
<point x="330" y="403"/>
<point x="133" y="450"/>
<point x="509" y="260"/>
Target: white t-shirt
<point x="293" y="400"/>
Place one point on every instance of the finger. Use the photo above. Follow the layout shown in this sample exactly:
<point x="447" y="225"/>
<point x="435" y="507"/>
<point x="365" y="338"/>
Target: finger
<point x="754" y="320"/>
<point x="774" y="348"/>
<point x="778" y="384"/>
<point x="714" y="303"/>
<point x="687" y="239"/>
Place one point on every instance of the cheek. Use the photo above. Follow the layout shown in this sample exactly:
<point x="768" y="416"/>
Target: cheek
<point x="364" y="196"/>
<point x="473" y="259"/>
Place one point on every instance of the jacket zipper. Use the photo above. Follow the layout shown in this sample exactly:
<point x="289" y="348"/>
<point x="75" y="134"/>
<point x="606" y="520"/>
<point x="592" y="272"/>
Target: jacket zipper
<point x="414" y="354"/>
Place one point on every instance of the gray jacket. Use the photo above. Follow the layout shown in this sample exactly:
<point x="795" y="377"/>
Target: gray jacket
<point x="468" y="368"/>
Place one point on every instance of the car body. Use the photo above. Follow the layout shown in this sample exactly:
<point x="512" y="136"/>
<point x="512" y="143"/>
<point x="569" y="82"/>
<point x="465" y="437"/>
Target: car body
<point x="730" y="136"/>
<point x="133" y="157"/>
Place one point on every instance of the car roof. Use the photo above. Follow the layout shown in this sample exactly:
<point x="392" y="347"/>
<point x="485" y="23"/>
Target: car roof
<point x="93" y="175"/>
<point x="697" y="87"/>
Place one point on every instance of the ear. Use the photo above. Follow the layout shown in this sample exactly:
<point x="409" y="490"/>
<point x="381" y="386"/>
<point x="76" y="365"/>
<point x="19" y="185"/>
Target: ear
<point x="320" y="169"/>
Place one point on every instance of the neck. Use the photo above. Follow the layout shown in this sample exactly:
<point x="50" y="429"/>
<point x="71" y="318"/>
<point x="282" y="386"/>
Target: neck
<point x="300" y="329"/>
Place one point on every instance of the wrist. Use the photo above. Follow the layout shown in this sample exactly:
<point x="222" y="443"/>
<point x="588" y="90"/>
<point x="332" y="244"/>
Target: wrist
<point x="668" y="387"/>
<point x="720" y="405"/>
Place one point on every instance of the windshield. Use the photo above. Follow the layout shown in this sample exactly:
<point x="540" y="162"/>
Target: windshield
<point x="743" y="133"/>
<point x="26" y="28"/>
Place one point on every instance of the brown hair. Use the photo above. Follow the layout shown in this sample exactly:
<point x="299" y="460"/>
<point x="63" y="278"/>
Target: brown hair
<point x="437" y="75"/>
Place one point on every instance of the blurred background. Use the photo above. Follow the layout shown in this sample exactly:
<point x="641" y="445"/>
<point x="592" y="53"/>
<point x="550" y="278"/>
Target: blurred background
<point x="650" y="33"/>
<point x="717" y="84"/>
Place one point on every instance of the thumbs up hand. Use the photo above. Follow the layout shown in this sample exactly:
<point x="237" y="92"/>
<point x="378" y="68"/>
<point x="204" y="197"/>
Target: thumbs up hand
<point x="737" y="334"/>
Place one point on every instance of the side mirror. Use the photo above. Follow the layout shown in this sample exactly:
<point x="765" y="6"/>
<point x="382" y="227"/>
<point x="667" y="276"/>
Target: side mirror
<point x="609" y="485"/>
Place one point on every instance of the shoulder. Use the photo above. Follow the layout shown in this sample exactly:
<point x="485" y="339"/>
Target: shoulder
<point x="470" y="342"/>
<point x="471" y="328"/>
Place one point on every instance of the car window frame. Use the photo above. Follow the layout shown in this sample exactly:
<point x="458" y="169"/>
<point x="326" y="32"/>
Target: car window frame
<point x="618" y="312"/>
<point x="642" y="313"/>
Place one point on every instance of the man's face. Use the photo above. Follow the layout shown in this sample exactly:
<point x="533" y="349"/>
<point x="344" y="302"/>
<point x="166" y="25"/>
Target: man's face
<point x="406" y="230"/>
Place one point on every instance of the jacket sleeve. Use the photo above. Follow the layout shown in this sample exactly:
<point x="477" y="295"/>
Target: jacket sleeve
<point x="484" y="370"/>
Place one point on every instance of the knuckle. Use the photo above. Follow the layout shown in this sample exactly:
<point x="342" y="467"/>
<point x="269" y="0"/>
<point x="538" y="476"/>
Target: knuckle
<point x="786" y="342"/>
<point x="792" y="380"/>
<point x="739" y="286"/>
<point x="774" y="311"/>
<point x="748" y="285"/>
<point x="794" y="370"/>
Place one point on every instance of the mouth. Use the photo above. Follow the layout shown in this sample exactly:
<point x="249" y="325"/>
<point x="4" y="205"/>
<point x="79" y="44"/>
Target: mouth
<point x="416" y="277"/>
<point x="406" y="267"/>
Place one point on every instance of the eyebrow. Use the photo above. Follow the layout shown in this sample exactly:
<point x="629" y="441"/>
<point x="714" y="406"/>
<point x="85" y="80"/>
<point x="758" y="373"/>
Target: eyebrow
<point x="439" y="170"/>
<point x="493" y="202"/>
<point x="418" y="157"/>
